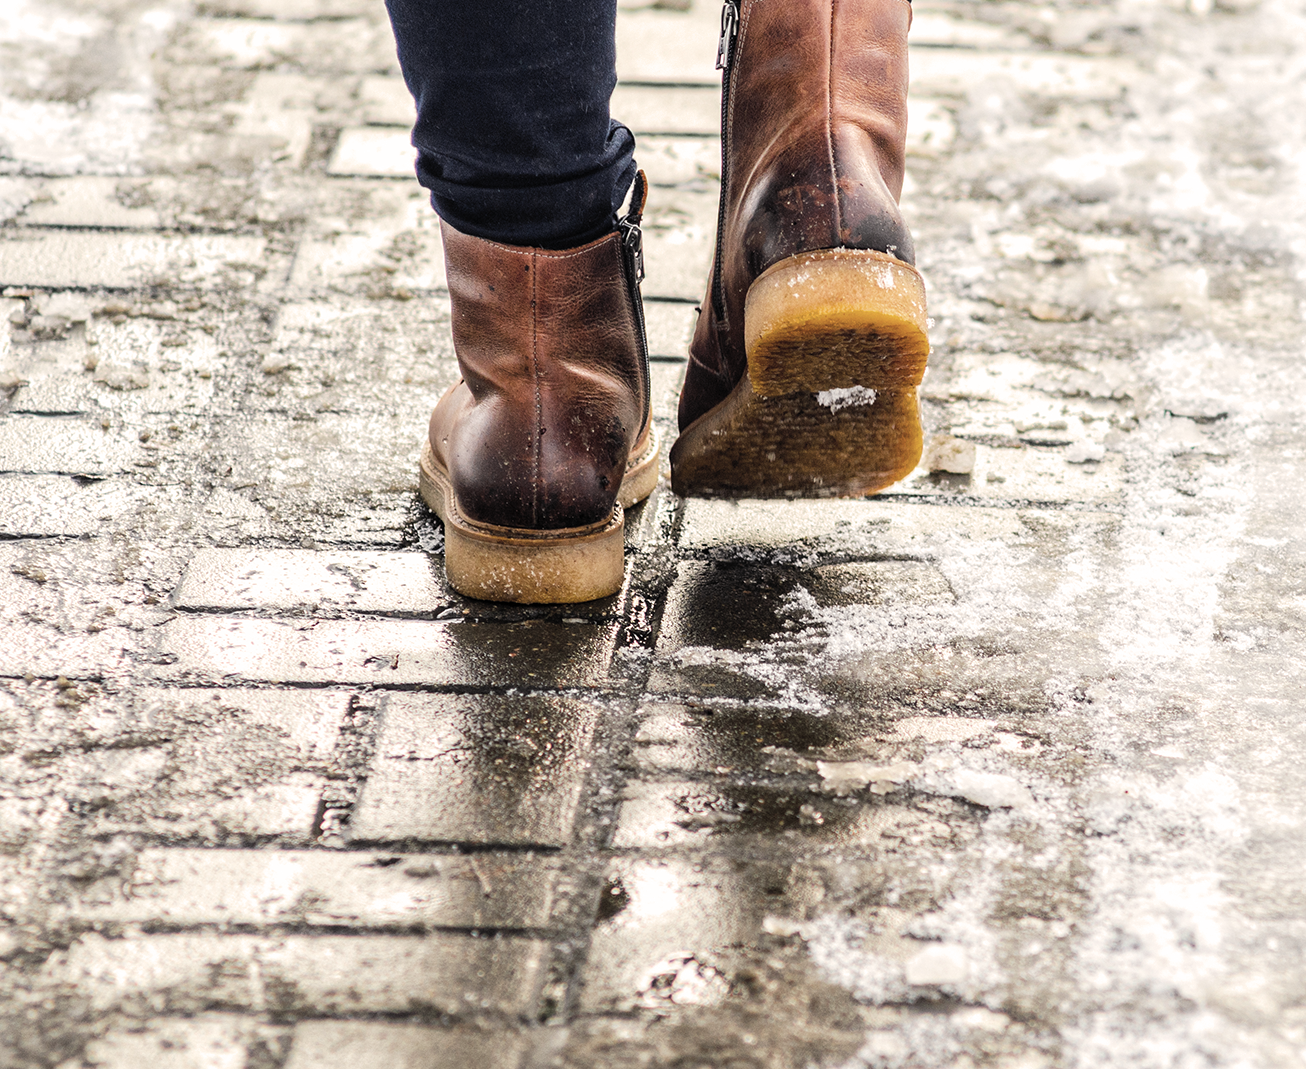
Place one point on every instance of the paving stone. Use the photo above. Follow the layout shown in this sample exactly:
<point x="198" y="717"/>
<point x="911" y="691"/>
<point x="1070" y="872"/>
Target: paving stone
<point x="678" y="47"/>
<point x="374" y="152"/>
<point x="482" y="769"/>
<point x="357" y="457"/>
<point x="15" y="195"/>
<point x="296" y="10"/>
<point x="43" y="506"/>
<point x="720" y="617"/>
<point x="282" y="108"/>
<point x="303" y="975"/>
<point x="667" y="935"/>
<point x="681" y="813"/>
<point x="130" y="368"/>
<point x="45" y="652"/>
<point x="1025" y="473"/>
<point x="48" y="445"/>
<point x="878" y="526"/>
<point x="208" y="1041"/>
<point x="388" y="653"/>
<point x="61" y="259"/>
<point x="181" y="888"/>
<point x="955" y="72"/>
<point x="931" y="127"/>
<point x="341" y="355"/>
<point x="665" y="378"/>
<point x="947" y="29"/>
<point x="304" y="724"/>
<point x="88" y="201"/>
<point x="673" y="161"/>
<point x="792" y="634"/>
<point x="649" y="109"/>
<point x="380" y="239"/>
<point x="215" y="766"/>
<point x="75" y="587"/>
<point x="392" y="583"/>
<point x="678" y="239"/>
<point x="386" y="102"/>
<point x="739" y="739"/>
<point x="670" y="325"/>
<point x="382" y="1045"/>
<point x="346" y="45"/>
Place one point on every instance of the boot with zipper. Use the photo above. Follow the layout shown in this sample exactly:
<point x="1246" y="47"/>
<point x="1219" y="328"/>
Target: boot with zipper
<point x="532" y="457"/>
<point x="811" y="340"/>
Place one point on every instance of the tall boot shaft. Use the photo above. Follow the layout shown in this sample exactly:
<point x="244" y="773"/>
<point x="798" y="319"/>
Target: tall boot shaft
<point x="814" y="130"/>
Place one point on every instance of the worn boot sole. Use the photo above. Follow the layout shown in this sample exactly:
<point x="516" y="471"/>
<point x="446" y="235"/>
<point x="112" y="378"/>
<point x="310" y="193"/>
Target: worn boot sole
<point x="533" y="567"/>
<point x="836" y="344"/>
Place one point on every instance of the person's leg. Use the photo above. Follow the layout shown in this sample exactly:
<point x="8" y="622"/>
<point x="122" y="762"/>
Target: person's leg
<point x="812" y="339"/>
<point x="513" y="132"/>
<point x="532" y="456"/>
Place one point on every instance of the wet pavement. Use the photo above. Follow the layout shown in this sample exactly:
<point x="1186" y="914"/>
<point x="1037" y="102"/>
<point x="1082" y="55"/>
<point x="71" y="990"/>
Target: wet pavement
<point x="1003" y="767"/>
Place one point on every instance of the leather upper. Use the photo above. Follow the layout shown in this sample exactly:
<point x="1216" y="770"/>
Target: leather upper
<point x="553" y="397"/>
<point x="816" y="140"/>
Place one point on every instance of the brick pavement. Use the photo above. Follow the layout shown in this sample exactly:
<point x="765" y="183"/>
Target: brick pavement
<point x="1000" y="768"/>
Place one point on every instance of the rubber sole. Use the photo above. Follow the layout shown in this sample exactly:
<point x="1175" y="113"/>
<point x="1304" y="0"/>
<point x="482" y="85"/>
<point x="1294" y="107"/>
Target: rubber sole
<point x="836" y="343"/>
<point x="535" y="567"/>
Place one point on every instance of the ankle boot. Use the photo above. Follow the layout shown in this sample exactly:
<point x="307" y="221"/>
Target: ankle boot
<point x="532" y="457"/>
<point x="811" y="340"/>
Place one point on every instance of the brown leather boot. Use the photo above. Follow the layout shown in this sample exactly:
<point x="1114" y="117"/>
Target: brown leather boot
<point x="812" y="338"/>
<point x="533" y="455"/>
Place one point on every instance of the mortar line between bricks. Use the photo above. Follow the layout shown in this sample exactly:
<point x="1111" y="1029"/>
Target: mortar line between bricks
<point x="361" y="931"/>
<point x="589" y="852"/>
<point x="636" y="84"/>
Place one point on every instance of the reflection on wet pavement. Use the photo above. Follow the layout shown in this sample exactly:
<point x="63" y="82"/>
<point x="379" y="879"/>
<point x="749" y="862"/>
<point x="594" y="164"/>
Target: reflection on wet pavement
<point x="999" y="769"/>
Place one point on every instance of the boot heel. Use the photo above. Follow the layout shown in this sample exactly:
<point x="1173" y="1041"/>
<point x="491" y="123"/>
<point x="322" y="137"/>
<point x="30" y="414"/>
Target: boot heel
<point x="527" y="566"/>
<point x="837" y="319"/>
<point x="836" y="344"/>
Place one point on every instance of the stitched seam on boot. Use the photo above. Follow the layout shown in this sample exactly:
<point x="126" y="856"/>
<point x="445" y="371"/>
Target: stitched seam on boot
<point x="829" y="129"/>
<point x="539" y="406"/>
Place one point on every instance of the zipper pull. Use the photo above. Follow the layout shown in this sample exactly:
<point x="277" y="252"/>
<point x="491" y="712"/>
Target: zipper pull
<point x="725" y="49"/>
<point x="632" y="237"/>
<point x="632" y="240"/>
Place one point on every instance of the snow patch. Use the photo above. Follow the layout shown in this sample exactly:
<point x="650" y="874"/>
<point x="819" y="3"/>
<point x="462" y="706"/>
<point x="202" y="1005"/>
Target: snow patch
<point x="846" y="397"/>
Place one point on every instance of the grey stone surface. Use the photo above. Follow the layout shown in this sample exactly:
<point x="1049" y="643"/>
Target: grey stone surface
<point x="68" y="258"/>
<point x="67" y="446"/>
<point x="685" y="109"/>
<point x="206" y="1041"/>
<point x="1000" y="769"/>
<point x="391" y="653"/>
<point x="303" y="975"/>
<point x="392" y="583"/>
<point x="378" y="1045"/>
<point x="503" y="771"/>
<point x="374" y="152"/>
<point x="181" y="888"/>
<point x="90" y="201"/>
<point x="676" y="47"/>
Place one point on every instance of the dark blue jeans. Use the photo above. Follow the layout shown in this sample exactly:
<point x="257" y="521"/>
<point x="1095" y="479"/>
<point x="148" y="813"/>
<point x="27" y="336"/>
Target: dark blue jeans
<point x="513" y="134"/>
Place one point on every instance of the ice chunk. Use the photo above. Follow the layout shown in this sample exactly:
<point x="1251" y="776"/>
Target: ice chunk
<point x="990" y="789"/>
<point x="936" y="965"/>
<point x="951" y="455"/>
<point x="1084" y="452"/>
<point x="844" y="777"/>
<point x="846" y="397"/>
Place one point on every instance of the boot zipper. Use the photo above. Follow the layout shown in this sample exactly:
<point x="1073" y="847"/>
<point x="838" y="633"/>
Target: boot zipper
<point x="632" y="257"/>
<point x="725" y="54"/>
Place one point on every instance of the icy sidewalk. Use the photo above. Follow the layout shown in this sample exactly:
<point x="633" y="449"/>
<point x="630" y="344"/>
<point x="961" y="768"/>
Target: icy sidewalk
<point x="1001" y="768"/>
